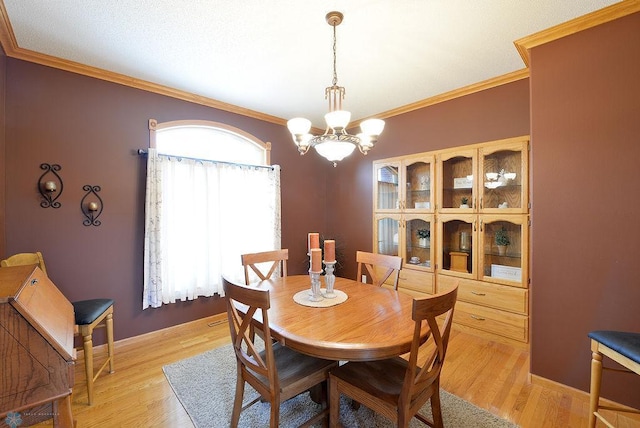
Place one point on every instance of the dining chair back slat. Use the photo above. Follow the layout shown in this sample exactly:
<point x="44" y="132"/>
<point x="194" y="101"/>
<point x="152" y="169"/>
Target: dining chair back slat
<point x="278" y="259"/>
<point x="379" y="267"/>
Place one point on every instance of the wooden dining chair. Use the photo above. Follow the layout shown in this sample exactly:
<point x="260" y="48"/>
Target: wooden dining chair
<point x="379" y="267"/>
<point x="89" y="315"/>
<point x="397" y="388"/>
<point x="277" y="373"/>
<point x="278" y="258"/>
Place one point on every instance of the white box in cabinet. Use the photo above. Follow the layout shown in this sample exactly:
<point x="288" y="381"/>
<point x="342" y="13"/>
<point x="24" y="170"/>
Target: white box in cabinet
<point x="462" y="183"/>
<point x="506" y="272"/>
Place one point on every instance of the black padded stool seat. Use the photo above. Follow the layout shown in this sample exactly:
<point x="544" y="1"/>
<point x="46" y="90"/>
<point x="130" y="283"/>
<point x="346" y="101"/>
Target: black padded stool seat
<point x="623" y="348"/>
<point x="627" y="344"/>
<point x="91" y="314"/>
<point x="88" y="310"/>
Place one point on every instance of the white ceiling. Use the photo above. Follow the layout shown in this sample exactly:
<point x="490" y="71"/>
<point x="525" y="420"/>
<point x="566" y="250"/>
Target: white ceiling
<point x="275" y="56"/>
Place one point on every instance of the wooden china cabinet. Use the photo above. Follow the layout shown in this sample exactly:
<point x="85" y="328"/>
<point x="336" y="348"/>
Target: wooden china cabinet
<point x="478" y="198"/>
<point x="403" y="205"/>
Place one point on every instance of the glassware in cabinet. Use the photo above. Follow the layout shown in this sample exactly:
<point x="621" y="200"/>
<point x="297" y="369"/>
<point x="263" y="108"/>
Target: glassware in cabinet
<point x="503" y="175"/>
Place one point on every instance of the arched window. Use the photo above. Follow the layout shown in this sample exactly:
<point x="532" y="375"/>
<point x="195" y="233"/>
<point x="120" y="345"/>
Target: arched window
<point x="211" y="196"/>
<point x="201" y="139"/>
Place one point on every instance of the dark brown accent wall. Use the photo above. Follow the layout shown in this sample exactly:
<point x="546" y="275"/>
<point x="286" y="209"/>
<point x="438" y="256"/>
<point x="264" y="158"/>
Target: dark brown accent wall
<point x="93" y="129"/>
<point x="585" y="115"/>
<point x="3" y="67"/>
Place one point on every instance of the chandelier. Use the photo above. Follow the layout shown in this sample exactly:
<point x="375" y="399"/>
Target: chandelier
<point x="335" y="144"/>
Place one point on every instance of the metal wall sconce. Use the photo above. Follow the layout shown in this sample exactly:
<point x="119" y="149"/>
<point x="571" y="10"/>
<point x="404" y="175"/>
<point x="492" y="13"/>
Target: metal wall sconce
<point x="50" y="185"/>
<point x="91" y="205"/>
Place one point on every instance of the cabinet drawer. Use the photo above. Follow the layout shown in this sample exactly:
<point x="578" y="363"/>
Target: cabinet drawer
<point x="416" y="280"/>
<point x="497" y="296"/>
<point x="502" y="323"/>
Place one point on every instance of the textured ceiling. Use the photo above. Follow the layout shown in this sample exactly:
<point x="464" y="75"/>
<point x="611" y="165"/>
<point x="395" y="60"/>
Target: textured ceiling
<point x="275" y="57"/>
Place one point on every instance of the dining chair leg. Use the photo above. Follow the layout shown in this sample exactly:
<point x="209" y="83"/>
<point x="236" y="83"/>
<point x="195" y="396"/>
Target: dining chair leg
<point x="596" y="381"/>
<point x="334" y="402"/>
<point x="436" y="408"/>
<point x="237" y="402"/>
<point x="275" y="412"/>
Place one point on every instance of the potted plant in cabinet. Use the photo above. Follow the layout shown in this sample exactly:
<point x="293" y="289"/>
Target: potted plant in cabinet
<point x="502" y="241"/>
<point x="424" y="236"/>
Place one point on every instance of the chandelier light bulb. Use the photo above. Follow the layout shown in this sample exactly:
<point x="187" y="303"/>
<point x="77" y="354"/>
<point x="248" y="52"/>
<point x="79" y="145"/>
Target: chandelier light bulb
<point x="299" y="125"/>
<point x="372" y="127"/>
<point x="337" y="120"/>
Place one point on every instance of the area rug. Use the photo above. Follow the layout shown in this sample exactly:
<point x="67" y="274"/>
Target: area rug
<point x="205" y="385"/>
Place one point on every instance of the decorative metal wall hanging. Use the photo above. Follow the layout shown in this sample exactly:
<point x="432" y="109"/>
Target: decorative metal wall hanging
<point x="91" y="206"/>
<point x="50" y="185"/>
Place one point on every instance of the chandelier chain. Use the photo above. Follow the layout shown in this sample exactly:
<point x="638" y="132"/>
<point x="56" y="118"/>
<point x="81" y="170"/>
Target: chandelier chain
<point x="335" y="73"/>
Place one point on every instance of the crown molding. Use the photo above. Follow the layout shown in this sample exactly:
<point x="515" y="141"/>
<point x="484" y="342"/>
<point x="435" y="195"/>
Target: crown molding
<point x="11" y="49"/>
<point x="593" y="19"/>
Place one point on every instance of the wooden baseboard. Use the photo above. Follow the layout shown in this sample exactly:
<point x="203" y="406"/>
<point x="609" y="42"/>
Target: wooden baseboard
<point x="579" y="394"/>
<point x="213" y="320"/>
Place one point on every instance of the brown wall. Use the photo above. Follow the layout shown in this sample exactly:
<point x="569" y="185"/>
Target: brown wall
<point x="92" y="129"/>
<point x="585" y="114"/>
<point x="3" y="67"/>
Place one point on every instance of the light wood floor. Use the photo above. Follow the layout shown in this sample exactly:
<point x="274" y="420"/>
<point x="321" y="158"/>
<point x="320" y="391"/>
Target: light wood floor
<point x="488" y="373"/>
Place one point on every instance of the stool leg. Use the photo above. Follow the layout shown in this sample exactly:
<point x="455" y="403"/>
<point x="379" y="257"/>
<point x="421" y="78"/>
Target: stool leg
<point x="109" y="323"/>
<point x="88" y="363"/>
<point x="596" y="381"/>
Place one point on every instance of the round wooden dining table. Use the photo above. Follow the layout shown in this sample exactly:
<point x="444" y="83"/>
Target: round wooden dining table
<point x="372" y="324"/>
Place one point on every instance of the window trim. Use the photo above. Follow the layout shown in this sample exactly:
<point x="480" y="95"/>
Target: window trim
<point x="155" y="126"/>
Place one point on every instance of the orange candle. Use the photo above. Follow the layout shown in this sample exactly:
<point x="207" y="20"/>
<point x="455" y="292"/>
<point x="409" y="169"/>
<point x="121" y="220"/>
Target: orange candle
<point x="329" y="250"/>
<point x="316" y="260"/>
<point x="313" y="241"/>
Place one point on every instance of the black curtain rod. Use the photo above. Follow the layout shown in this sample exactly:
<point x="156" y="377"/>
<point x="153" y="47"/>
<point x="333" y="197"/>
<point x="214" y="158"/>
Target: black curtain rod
<point x="143" y="152"/>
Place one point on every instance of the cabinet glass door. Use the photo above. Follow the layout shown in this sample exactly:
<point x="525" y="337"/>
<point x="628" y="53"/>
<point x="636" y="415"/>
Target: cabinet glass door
<point x="457" y="181"/>
<point x="386" y="184"/>
<point x="418" y="238"/>
<point x="504" y="241"/>
<point x="387" y="238"/>
<point x="457" y="250"/>
<point x="419" y="179"/>
<point x="503" y="180"/>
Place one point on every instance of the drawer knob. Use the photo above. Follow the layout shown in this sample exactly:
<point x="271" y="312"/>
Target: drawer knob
<point x="478" y="293"/>
<point x="34" y="281"/>
<point x="476" y="317"/>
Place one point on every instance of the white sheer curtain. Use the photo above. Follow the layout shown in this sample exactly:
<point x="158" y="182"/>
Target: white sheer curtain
<point x="200" y="216"/>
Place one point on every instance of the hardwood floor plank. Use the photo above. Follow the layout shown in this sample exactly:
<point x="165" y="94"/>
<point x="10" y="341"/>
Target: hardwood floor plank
<point x="492" y="374"/>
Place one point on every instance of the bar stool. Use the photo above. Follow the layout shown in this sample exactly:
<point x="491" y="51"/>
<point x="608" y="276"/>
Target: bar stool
<point x="92" y="314"/>
<point x="621" y="347"/>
